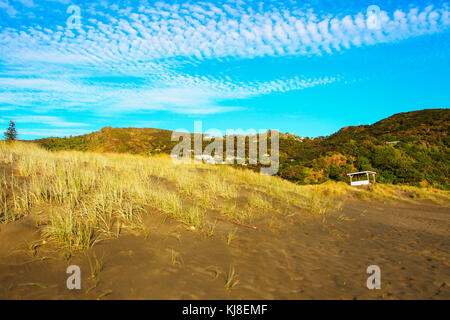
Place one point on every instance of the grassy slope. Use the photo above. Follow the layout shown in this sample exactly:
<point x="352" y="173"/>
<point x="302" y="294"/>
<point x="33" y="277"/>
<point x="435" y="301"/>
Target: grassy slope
<point x="118" y="140"/>
<point x="78" y="198"/>
<point x="420" y="158"/>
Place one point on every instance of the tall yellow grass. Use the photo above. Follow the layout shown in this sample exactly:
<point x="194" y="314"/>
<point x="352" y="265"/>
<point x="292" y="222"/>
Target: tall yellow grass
<point x="79" y="198"/>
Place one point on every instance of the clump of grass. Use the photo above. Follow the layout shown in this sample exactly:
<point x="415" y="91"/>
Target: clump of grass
<point x="379" y="192"/>
<point x="219" y="186"/>
<point x="65" y="229"/>
<point x="95" y="266"/>
<point x="32" y="247"/>
<point x="231" y="280"/>
<point x="174" y="257"/>
<point x="255" y="200"/>
<point x="230" y="236"/>
<point x="193" y="216"/>
<point x="210" y="229"/>
<point x="4" y="210"/>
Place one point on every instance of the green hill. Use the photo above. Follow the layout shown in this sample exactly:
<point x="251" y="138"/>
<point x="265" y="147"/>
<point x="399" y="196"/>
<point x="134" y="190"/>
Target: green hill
<point x="410" y="148"/>
<point x="116" y="140"/>
<point x="407" y="148"/>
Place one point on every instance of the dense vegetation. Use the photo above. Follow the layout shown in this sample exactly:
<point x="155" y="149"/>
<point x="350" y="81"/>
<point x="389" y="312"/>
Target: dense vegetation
<point x="409" y="148"/>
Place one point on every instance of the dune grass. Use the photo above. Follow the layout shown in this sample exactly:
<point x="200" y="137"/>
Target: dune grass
<point x="231" y="280"/>
<point x="85" y="197"/>
<point x="397" y="192"/>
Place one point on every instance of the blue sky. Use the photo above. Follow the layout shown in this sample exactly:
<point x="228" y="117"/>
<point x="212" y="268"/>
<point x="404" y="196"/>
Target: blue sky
<point x="304" y="67"/>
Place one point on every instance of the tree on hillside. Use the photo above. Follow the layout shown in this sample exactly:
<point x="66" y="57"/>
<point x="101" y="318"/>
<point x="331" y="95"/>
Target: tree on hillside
<point x="11" y="133"/>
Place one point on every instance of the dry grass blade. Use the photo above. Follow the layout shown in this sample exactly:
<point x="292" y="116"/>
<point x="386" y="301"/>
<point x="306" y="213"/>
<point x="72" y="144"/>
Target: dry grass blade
<point x="33" y="284"/>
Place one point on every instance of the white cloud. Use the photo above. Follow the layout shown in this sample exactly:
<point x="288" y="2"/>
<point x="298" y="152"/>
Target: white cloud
<point x="27" y="3"/>
<point x="41" y="133"/>
<point x="51" y="65"/>
<point x="164" y="31"/>
<point x="48" y="120"/>
<point x="178" y="93"/>
<point x="36" y="84"/>
<point x="10" y="10"/>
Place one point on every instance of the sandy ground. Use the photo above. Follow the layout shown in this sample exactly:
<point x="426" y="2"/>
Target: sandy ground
<point x="288" y="257"/>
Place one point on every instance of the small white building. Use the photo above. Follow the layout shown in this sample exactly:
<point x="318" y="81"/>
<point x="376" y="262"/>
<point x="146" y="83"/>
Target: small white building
<point x="362" y="178"/>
